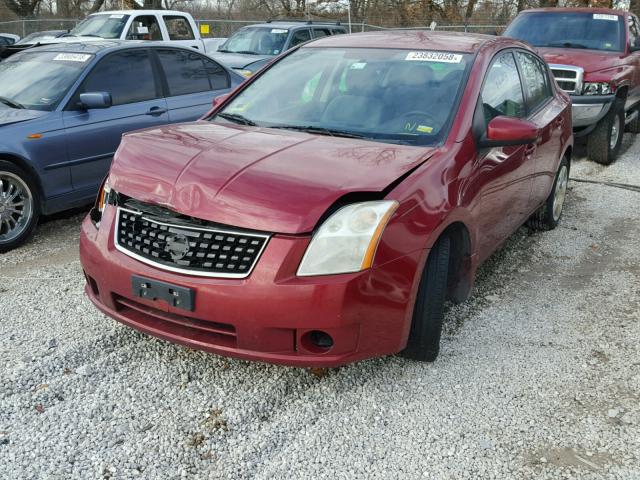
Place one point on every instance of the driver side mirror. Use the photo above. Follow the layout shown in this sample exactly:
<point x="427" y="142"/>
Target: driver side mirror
<point x="95" y="100"/>
<point x="503" y="131"/>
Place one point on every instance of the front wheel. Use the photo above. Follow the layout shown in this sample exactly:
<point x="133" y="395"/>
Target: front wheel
<point x="548" y="215"/>
<point x="603" y="144"/>
<point x="19" y="206"/>
<point x="428" y="312"/>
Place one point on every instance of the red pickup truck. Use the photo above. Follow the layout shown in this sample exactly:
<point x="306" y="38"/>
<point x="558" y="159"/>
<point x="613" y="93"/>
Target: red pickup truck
<point x="594" y="55"/>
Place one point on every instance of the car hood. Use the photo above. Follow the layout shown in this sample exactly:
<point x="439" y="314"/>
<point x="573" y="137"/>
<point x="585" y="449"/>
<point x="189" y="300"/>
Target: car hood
<point x="10" y="115"/>
<point x="237" y="60"/>
<point x="589" y="60"/>
<point x="264" y="179"/>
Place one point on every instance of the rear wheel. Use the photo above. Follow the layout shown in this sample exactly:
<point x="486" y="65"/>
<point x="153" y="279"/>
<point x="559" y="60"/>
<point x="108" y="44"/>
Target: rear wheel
<point x="19" y="206"/>
<point x="603" y="144"/>
<point x="428" y="313"/>
<point x="548" y="215"/>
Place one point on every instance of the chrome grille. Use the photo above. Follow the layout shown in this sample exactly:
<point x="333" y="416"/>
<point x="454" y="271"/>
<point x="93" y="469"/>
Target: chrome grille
<point x="569" y="78"/>
<point x="193" y="249"/>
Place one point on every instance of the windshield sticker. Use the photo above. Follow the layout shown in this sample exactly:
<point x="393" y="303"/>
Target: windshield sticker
<point x="605" y="16"/>
<point x="358" y="66"/>
<point x="116" y="16"/>
<point x="278" y="30"/>
<point x="72" y="57"/>
<point x="424" y="129"/>
<point x="443" y="57"/>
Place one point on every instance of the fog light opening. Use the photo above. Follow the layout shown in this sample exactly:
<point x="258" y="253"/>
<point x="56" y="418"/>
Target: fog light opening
<point x="317" y="341"/>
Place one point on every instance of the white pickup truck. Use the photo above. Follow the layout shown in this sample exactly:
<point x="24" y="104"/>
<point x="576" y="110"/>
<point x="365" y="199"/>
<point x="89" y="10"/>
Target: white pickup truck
<point x="162" y="25"/>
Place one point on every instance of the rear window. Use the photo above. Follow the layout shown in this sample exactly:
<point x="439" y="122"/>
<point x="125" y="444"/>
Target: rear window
<point x="595" y="31"/>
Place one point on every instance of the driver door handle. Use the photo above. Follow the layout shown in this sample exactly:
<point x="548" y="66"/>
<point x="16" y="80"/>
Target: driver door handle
<point x="156" y="111"/>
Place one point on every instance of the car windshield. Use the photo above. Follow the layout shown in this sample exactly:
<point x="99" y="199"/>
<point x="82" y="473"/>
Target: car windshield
<point x="257" y="41"/>
<point x="39" y="80"/>
<point x="392" y="96"/>
<point x="103" y="26"/>
<point x="595" y="31"/>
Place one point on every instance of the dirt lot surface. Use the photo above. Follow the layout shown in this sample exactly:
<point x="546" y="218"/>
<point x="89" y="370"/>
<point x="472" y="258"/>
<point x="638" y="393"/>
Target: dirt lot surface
<point x="539" y="376"/>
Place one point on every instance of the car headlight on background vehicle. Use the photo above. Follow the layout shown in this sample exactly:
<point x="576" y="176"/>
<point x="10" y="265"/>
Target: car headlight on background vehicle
<point x="347" y="241"/>
<point x="244" y="72"/>
<point x="597" y="88"/>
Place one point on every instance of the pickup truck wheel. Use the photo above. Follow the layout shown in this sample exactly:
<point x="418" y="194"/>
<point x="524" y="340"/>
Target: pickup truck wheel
<point x="428" y="312"/>
<point x="548" y="215"/>
<point x="19" y="206"/>
<point x="603" y="144"/>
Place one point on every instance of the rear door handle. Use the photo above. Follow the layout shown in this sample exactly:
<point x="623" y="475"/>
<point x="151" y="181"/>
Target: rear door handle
<point x="156" y="111"/>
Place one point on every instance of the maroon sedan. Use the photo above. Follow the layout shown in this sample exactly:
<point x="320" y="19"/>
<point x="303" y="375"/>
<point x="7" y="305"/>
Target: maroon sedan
<point x="325" y="211"/>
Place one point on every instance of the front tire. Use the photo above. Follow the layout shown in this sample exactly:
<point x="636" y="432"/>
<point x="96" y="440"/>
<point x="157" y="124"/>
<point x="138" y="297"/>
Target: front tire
<point x="547" y="217"/>
<point x="603" y="144"/>
<point x="19" y="206"/>
<point x="428" y="312"/>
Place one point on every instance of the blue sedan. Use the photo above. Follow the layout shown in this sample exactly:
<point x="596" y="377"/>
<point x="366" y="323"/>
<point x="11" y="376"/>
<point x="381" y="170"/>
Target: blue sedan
<point x="64" y="107"/>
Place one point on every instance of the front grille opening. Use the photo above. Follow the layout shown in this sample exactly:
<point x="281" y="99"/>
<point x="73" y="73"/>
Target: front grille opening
<point x="194" y="329"/>
<point x="93" y="285"/>
<point x="564" y="74"/>
<point x="183" y="244"/>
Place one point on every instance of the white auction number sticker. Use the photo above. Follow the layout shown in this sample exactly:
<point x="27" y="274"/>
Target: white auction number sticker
<point x="72" y="57"/>
<point x="443" y="57"/>
<point x="605" y="16"/>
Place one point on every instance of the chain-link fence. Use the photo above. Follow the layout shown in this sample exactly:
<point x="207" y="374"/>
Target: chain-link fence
<point x="223" y="28"/>
<point x="25" y="27"/>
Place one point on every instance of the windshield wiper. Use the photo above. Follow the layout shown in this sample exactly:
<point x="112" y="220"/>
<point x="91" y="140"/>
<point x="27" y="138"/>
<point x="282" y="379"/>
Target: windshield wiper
<point x="247" y="52"/>
<point x="321" y="131"/>
<point x="567" y="45"/>
<point x="225" y="51"/>
<point x="237" y="118"/>
<point x="12" y="103"/>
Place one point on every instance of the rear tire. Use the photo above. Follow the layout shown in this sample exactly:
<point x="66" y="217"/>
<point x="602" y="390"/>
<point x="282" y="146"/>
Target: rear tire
<point x="19" y="206"/>
<point x="603" y="144"/>
<point x="428" y="312"/>
<point x="548" y="215"/>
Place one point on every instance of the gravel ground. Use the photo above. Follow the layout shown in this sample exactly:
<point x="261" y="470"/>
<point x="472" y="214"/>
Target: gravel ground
<point x="539" y="376"/>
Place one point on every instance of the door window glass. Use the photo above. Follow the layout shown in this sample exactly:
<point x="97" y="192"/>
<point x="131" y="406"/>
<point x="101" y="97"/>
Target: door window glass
<point x="502" y="91"/>
<point x="128" y="76"/>
<point x="188" y="72"/>
<point x="179" y="28"/>
<point x="144" y="27"/>
<point x="321" y="32"/>
<point x="300" y="36"/>
<point x="536" y="80"/>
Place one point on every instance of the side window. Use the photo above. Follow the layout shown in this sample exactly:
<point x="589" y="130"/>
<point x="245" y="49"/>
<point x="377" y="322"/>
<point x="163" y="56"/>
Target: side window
<point x="188" y="72"/>
<point x="634" y="34"/>
<point x="128" y="76"/>
<point x="178" y="28"/>
<point x="144" y="27"/>
<point x="536" y="80"/>
<point x="338" y="31"/>
<point x="300" y="36"/>
<point x="321" y="32"/>
<point x="502" y="91"/>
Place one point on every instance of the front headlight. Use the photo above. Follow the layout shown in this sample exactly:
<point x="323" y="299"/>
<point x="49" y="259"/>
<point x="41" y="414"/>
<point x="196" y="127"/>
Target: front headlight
<point x="597" y="88"/>
<point x="347" y="241"/>
<point x="103" y="196"/>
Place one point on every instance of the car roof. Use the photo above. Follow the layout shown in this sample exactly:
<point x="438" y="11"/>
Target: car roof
<point x="102" y="46"/>
<point x="610" y="11"/>
<point x="140" y="12"/>
<point x="414" y="39"/>
<point x="291" y="25"/>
